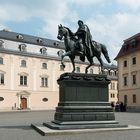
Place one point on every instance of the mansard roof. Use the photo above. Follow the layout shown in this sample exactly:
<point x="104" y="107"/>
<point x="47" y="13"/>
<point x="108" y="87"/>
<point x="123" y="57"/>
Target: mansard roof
<point x="129" y="46"/>
<point x="24" y="38"/>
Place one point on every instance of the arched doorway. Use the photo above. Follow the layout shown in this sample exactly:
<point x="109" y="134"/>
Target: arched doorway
<point x="23" y="103"/>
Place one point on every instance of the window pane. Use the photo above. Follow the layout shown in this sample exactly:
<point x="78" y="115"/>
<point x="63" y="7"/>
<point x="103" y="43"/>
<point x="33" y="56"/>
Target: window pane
<point x="44" y="65"/>
<point x="1" y="60"/>
<point x="134" y="98"/>
<point x="23" y="63"/>
<point x="21" y="80"/>
<point x="25" y="80"/>
<point x="134" y="79"/>
<point x="1" y="78"/>
<point x="134" y="60"/>
<point x="125" y="63"/>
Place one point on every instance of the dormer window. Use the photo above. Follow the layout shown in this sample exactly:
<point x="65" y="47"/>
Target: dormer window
<point x="43" y="50"/>
<point x="60" y="53"/>
<point x="39" y="40"/>
<point x="22" y="47"/>
<point x="56" y="43"/>
<point x="20" y="37"/>
<point x="125" y="47"/>
<point x="133" y="43"/>
<point x="1" y="44"/>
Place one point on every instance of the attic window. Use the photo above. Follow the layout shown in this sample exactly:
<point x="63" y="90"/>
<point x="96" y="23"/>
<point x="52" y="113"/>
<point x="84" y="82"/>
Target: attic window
<point x="20" y="37"/>
<point x="43" y="51"/>
<point x="133" y="43"/>
<point x="56" y="43"/>
<point x="22" y="47"/>
<point x="1" y="43"/>
<point x="60" y="53"/>
<point x="125" y="47"/>
<point x="39" y="40"/>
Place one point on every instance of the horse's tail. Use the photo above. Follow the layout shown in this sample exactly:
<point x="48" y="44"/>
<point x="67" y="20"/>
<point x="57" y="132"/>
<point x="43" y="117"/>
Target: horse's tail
<point x="105" y="53"/>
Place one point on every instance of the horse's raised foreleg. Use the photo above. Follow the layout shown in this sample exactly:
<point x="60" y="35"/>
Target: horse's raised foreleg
<point x="62" y="57"/>
<point x="72" y="61"/>
<point x="91" y="63"/>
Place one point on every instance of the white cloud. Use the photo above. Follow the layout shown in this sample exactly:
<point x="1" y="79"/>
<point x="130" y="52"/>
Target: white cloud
<point x="112" y="30"/>
<point x="133" y="4"/>
<point x="87" y="2"/>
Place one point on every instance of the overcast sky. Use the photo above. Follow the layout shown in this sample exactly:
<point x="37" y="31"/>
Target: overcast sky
<point x="110" y="21"/>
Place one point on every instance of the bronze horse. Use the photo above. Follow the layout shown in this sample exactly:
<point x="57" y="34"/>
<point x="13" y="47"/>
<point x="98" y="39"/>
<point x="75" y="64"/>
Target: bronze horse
<point x="72" y="51"/>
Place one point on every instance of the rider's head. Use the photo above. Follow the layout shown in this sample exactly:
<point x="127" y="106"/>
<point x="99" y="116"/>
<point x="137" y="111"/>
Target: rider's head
<point x="80" y="22"/>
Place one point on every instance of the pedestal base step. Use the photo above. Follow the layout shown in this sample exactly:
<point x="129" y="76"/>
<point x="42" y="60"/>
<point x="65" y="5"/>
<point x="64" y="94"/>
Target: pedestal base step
<point x="45" y="131"/>
<point x="86" y="125"/>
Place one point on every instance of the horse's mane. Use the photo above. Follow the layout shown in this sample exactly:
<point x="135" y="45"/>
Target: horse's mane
<point x="70" y="32"/>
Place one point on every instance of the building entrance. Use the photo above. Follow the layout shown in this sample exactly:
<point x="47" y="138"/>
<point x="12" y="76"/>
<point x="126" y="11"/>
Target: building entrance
<point x="23" y="103"/>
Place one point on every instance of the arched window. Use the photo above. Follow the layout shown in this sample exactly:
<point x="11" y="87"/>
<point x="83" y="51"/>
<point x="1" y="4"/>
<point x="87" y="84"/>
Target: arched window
<point x="61" y="68"/>
<point x="23" y="47"/>
<point x="43" y="51"/>
<point x="1" y="60"/>
<point x="77" y="69"/>
<point x="23" y="63"/>
<point x="44" y="65"/>
<point x="91" y="71"/>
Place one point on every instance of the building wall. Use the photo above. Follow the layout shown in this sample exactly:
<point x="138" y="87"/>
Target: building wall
<point x="130" y="89"/>
<point x="33" y="94"/>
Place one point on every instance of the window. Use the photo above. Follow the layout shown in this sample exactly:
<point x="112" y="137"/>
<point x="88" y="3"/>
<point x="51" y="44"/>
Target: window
<point x="60" y="53"/>
<point x="125" y="63"/>
<point x="125" y="99"/>
<point x="91" y="71"/>
<point x="113" y="86"/>
<point x="1" y="78"/>
<point x="125" y="81"/>
<point x="23" y="80"/>
<point x="1" y="60"/>
<point x="22" y="47"/>
<point x="39" y="40"/>
<point x="1" y="43"/>
<point x="134" y="60"/>
<point x="23" y="63"/>
<point x="134" y="98"/>
<point x="44" y="65"/>
<point x="44" y="82"/>
<point x="77" y="69"/>
<point x="20" y="37"/>
<point x="43" y="50"/>
<point x="61" y="67"/>
<point x="133" y="79"/>
<point x="133" y="43"/>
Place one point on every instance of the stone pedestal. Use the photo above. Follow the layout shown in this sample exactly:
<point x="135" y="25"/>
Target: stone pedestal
<point x="83" y="103"/>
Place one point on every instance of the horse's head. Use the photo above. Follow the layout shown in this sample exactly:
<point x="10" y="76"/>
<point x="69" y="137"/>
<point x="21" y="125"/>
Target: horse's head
<point x="62" y="31"/>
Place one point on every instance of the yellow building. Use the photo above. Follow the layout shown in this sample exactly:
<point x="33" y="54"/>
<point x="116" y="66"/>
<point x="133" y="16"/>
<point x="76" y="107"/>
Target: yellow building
<point x="129" y="73"/>
<point x="29" y="69"/>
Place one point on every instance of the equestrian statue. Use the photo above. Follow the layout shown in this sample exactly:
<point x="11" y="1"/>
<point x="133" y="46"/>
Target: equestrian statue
<point x="81" y="44"/>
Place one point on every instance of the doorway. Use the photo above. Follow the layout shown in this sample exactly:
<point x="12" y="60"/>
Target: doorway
<point x="23" y="103"/>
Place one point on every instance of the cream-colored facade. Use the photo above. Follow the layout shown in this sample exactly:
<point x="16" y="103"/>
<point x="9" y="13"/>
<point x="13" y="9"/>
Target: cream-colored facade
<point x="129" y="73"/>
<point x="28" y="77"/>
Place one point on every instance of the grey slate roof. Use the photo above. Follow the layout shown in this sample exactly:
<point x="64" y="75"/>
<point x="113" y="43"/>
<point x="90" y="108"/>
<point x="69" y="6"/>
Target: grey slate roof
<point x="31" y="39"/>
